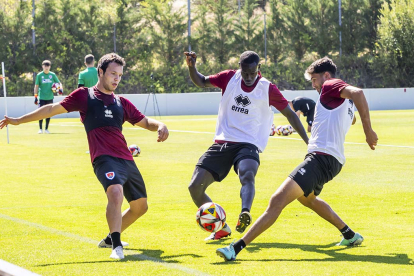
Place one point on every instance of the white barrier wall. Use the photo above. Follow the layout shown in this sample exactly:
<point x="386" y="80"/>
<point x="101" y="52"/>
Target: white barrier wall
<point x="208" y="103"/>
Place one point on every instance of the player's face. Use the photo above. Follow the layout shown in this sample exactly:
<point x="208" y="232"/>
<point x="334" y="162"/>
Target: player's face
<point x="249" y="72"/>
<point x="112" y="76"/>
<point x="46" y="67"/>
<point x="317" y="80"/>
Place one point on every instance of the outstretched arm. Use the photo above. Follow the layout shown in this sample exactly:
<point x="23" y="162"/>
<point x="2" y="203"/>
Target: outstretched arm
<point x="154" y="125"/>
<point x="358" y="97"/>
<point x="46" y="111"/>
<point x="295" y="123"/>
<point x="198" y="79"/>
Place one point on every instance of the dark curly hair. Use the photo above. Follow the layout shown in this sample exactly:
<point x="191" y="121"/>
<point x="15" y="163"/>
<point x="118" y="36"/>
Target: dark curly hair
<point x="322" y="65"/>
<point x="105" y="60"/>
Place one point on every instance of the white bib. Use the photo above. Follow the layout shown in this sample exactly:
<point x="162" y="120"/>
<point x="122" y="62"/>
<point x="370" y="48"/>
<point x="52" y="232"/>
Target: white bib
<point x="245" y="117"/>
<point x="329" y="129"/>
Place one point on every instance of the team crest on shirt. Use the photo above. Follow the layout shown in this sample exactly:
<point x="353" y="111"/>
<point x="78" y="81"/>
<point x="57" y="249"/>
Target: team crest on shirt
<point x="240" y="100"/>
<point x="110" y="175"/>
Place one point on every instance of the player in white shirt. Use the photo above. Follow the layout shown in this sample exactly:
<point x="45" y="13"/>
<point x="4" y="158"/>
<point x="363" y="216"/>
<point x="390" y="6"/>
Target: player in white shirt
<point x="334" y="115"/>
<point x="242" y="131"/>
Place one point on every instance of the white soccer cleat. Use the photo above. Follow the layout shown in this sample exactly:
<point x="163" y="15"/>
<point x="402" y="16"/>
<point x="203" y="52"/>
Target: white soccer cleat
<point x="40" y="131"/>
<point x="47" y="131"/>
<point x="103" y="244"/>
<point x="117" y="253"/>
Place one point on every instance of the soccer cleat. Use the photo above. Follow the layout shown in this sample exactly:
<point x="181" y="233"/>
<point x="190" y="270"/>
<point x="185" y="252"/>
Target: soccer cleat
<point x="227" y="253"/>
<point x="103" y="244"/>
<point x="244" y="220"/>
<point x="47" y="131"/>
<point x="223" y="233"/>
<point x="117" y="253"/>
<point x="356" y="240"/>
<point x="40" y="131"/>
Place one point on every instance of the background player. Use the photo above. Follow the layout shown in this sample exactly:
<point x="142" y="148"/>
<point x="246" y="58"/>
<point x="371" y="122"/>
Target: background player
<point x="242" y="131"/>
<point x="89" y="76"/>
<point x="306" y="106"/>
<point x="103" y="115"/>
<point x="43" y="90"/>
<point x="333" y="118"/>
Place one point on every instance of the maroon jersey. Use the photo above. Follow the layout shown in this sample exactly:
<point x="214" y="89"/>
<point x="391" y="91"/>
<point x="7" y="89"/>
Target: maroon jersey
<point x="107" y="140"/>
<point x="276" y="98"/>
<point x="331" y="93"/>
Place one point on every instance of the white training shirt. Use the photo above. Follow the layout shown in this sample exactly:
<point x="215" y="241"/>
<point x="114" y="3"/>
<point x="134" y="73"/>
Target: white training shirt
<point x="245" y="116"/>
<point x="329" y="129"/>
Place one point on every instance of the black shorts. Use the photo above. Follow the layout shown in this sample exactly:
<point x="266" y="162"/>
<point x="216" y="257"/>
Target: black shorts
<point x="45" y="102"/>
<point x="310" y="116"/>
<point x="315" y="171"/>
<point x="219" y="158"/>
<point x="112" y="170"/>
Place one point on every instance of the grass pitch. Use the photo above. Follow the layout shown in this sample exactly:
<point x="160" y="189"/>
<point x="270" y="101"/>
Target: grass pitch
<point x="52" y="207"/>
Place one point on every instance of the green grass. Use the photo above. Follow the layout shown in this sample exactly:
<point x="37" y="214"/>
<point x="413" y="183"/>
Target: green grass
<point x="52" y="208"/>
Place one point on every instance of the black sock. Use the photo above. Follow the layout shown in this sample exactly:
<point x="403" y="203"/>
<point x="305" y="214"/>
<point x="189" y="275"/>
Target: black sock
<point x="245" y="210"/>
<point x="40" y="124"/>
<point x="116" y="239"/>
<point x="108" y="239"/>
<point x="238" y="246"/>
<point x="347" y="232"/>
<point x="47" y="123"/>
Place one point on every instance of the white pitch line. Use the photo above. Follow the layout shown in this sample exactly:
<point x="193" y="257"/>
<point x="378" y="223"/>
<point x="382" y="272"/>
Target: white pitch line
<point x="272" y="137"/>
<point x="130" y="253"/>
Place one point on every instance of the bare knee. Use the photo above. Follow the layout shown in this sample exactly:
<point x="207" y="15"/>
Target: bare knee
<point x="139" y="206"/>
<point x="307" y="201"/>
<point x="115" y="194"/>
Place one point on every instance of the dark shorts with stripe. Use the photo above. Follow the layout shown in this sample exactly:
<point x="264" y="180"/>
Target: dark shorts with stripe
<point x="45" y="102"/>
<point x="315" y="171"/>
<point x="219" y="158"/>
<point x="112" y="170"/>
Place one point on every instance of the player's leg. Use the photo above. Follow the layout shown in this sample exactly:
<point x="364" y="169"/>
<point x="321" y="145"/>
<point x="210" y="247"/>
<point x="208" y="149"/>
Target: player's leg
<point x="48" y="119"/>
<point x="247" y="169"/>
<point x="285" y="194"/>
<point x="137" y="208"/>
<point x="40" y="127"/>
<point x="200" y="180"/>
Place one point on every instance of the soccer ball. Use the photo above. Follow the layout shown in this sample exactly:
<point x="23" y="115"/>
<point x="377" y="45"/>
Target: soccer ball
<point x="135" y="150"/>
<point x="211" y="217"/>
<point x="289" y="128"/>
<point x="272" y="130"/>
<point x="56" y="87"/>
<point x="279" y="130"/>
<point x="285" y="131"/>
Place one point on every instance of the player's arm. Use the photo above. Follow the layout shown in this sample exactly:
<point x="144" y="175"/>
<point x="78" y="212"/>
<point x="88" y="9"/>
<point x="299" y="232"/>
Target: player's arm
<point x="36" y="90"/>
<point x="81" y="82"/>
<point x="46" y="111"/>
<point x="295" y="122"/>
<point x="198" y="79"/>
<point x="154" y="125"/>
<point x="357" y="96"/>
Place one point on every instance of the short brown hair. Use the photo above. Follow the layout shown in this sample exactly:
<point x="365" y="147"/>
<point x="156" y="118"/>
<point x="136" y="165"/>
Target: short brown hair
<point x="89" y="59"/>
<point x="322" y="65"/>
<point x="107" y="59"/>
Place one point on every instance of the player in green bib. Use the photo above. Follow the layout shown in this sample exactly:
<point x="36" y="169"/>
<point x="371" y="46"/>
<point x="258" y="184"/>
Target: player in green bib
<point x="89" y="76"/>
<point x="43" y="90"/>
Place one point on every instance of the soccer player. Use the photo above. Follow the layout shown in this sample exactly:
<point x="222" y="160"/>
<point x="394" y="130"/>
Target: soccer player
<point x="43" y="89"/>
<point x="305" y="106"/>
<point x="242" y="131"/>
<point x="334" y="114"/>
<point x="103" y="114"/>
<point x="89" y="76"/>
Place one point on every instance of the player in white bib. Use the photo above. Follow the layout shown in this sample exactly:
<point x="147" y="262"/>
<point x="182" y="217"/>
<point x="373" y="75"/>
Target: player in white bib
<point x="334" y="114"/>
<point x="242" y="131"/>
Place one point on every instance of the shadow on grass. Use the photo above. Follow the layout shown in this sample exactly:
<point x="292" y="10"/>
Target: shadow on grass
<point x="130" y="255"/>
<point x="334" y="254"/>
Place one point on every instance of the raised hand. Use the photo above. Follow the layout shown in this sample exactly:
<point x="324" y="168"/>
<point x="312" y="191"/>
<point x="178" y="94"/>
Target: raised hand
<point x="190" y="58"/>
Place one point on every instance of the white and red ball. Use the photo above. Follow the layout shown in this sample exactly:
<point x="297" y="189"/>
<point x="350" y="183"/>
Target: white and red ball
<point x="135" y="150"/>
<point x="272" y="130"/>
<point x="289" y="128"/>
<point x="279" y="130"/>
<point x="56" y="87"/>
<point x="285" y="131"/>
<point x="211" y="217"/>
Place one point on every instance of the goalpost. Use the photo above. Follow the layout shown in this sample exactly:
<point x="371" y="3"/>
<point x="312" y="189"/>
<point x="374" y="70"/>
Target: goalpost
<point x="5" y="98"/>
